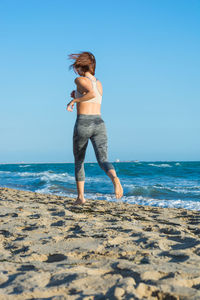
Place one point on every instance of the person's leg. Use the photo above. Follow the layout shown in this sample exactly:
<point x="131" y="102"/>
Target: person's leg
<point x="80" y="190"/>
<point x="80" y="142"/>
<point x="100" y="145"/>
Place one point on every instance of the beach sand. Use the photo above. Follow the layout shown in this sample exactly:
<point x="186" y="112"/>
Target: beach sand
<point x="102" y="250"/>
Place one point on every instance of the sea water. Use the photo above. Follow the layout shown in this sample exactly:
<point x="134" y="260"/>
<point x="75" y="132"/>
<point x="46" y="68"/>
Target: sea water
<point x="162" y="184"/>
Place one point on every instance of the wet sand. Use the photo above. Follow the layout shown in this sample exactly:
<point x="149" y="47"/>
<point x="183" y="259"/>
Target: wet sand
<point x="102" y="250"/>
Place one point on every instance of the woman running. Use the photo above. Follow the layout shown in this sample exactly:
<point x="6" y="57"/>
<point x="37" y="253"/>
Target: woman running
<point x="89" y="124"/>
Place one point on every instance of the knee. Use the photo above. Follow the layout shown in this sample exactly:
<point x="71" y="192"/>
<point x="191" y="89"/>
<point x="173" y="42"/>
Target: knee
<point x="105" y="165"/>
<point x="79" y="171"/>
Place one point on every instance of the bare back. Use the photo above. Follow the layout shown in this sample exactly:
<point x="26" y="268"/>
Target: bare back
<point x="89" y="108"/>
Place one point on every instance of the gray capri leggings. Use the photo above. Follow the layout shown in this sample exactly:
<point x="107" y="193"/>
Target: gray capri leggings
<point x="90" y="127"/>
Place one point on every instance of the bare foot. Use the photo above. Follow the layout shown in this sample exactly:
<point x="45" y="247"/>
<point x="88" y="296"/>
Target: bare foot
<point x="79" y="201"/>
<point x="118" y="188"/>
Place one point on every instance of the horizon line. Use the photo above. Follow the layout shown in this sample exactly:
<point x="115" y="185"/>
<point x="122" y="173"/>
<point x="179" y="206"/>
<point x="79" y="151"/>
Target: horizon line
<point x="93" y="162"/>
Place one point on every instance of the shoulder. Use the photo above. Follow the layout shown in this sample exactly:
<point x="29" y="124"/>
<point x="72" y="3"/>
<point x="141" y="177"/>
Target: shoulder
<point x="80" y="79"/>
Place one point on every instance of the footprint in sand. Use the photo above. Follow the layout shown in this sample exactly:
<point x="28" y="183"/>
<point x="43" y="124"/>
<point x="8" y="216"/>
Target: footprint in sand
<point x="151" y="245"/>
<point x="6" y="233"/>
<point x="175" y="257"/>
<point x="58" y="213"/>
<point x="23" y="249"/>
<point x="26" y="268"/>
<point x="59" y="279"/>
<point x="52" y="209"/>
<point x="168" y="223"/>
<point x="183" y="243"/>
<point x="30" y="228"/>
<point x="20" y="238"/>
<point x="194" y="220"/>
<point x="35" y="216"/>
<point x="169" y="230"/>
<point x="58" y="223"/>
<point x="156" y="275"/>
<point x="194" y="230"/>
<point x="55" y="258"/>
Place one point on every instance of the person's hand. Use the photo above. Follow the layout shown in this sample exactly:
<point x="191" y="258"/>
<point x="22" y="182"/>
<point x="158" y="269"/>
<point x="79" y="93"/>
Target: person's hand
<point x="70" y="105"/>
<point x="72" y="94"/>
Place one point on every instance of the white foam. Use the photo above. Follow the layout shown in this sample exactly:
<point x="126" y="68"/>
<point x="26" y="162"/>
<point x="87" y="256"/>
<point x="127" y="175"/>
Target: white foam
<point x="24" y="166"/>
<point x="140" y="200"/>
<point x="49" y="176"/>
<point x="192" y="205"/>
<point x="160" y="165"/>
<point x="43" y="191"/>
<point x="186" y="190"/>
<point x="5" y="172"/>
<point x="176" y="189"/>
<point x="48" y="190"/>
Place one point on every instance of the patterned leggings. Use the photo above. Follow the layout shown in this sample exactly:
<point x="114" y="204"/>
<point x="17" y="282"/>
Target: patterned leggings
<point x="89" y="127"/>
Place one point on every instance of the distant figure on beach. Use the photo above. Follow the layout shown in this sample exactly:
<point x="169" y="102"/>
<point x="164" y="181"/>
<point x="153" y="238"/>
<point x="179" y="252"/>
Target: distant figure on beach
<point x="89" y="124"/>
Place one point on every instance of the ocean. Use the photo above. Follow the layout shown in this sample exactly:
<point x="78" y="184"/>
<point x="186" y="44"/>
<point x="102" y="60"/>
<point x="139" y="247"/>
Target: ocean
<point x="161" y="184"/>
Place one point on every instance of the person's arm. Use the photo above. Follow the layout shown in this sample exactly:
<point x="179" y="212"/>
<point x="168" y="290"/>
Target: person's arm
<point x="72" y="94"/>
<point x="89" y="93"/>
<point x="83" y="84"/>
<point x="87" y="96"/>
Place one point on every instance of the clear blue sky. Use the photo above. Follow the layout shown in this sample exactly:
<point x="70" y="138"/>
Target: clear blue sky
<point x="147" y="60"/>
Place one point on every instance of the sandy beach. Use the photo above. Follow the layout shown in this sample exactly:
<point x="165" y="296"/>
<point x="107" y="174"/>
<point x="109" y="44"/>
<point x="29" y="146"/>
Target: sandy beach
<point x="103" y="250"/>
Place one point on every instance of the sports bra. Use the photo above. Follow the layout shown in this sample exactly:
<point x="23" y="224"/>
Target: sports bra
<point x="97" y="98"/>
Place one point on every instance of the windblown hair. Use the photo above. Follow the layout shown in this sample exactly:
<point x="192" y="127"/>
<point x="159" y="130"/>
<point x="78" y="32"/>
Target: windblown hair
<point x="84" y="62"/>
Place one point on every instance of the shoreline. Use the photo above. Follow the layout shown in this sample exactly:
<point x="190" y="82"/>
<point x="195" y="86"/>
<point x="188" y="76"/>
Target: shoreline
<point x="116" y="201"/>
<point x="102" y="249"/>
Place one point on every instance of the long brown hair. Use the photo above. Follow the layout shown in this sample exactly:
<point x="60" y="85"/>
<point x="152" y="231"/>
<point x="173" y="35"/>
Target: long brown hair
<point x="84" y="62"/>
